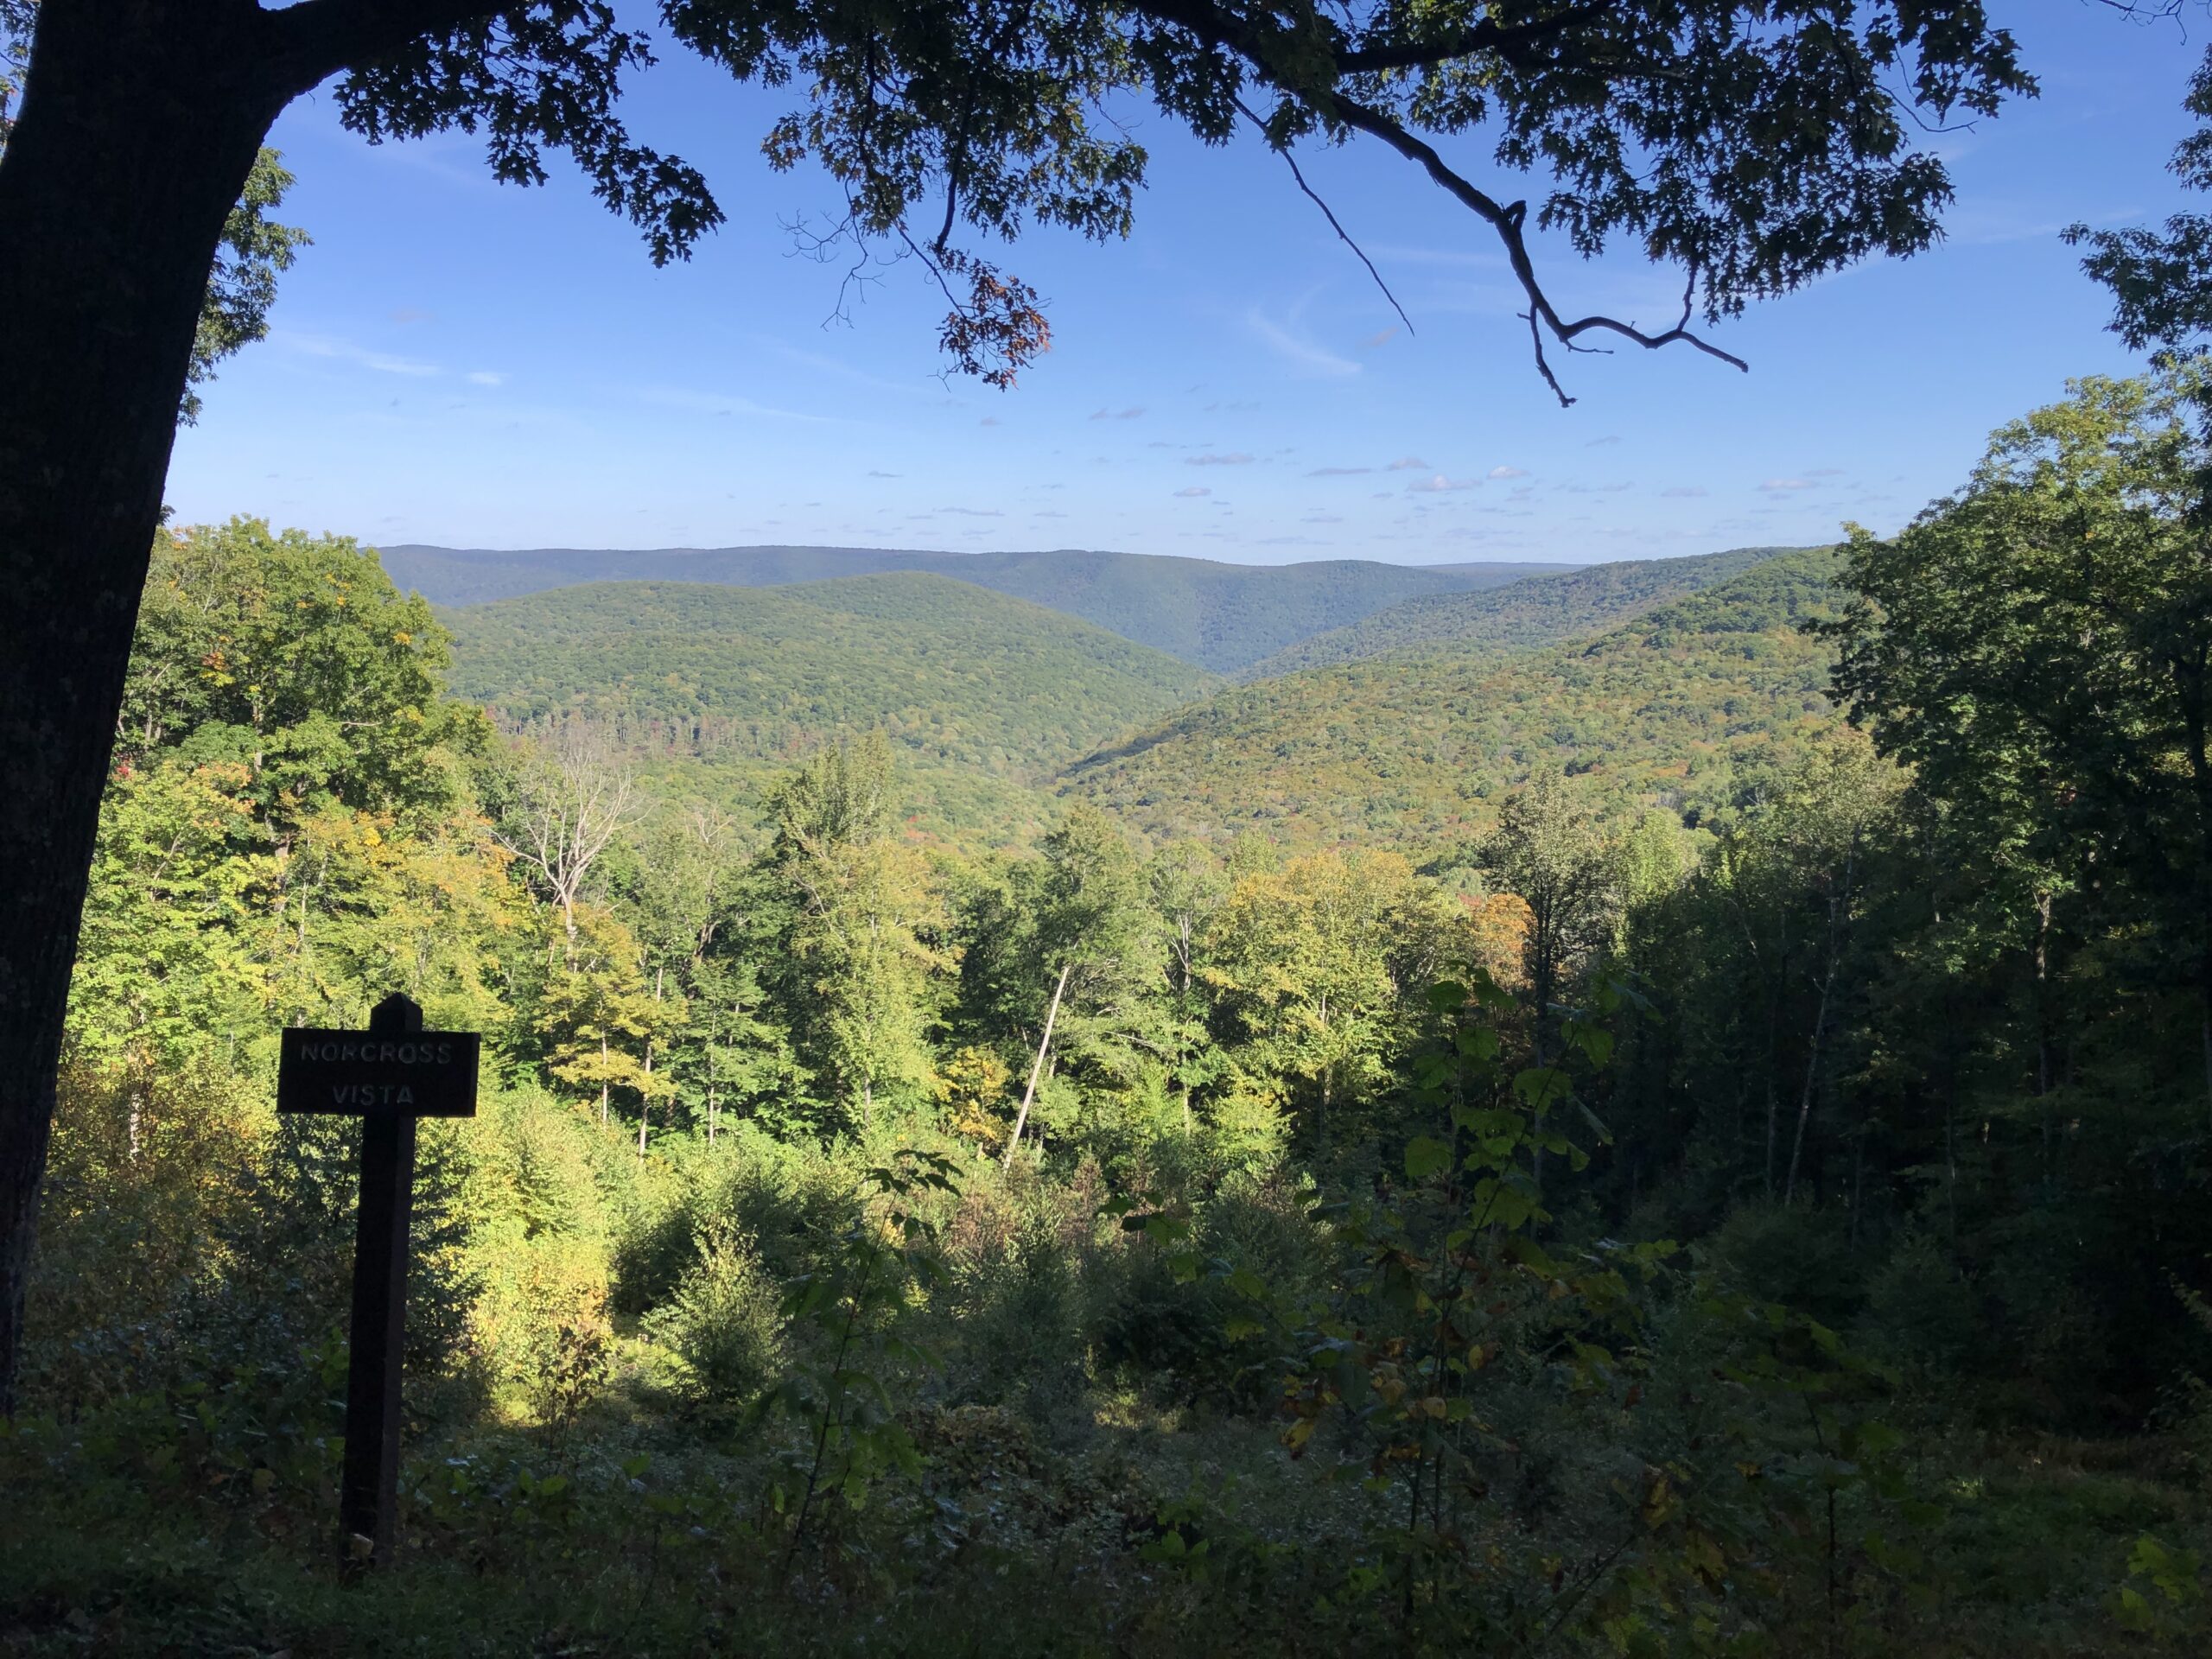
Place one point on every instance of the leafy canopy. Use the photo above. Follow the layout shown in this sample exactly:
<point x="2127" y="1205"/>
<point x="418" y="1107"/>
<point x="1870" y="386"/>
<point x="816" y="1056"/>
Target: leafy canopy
<point x="1755" y="147"/>
<point x="2039" y="649"/>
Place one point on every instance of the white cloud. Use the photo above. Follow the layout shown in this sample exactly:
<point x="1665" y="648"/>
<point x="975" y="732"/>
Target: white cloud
<point x="1509" y="471"/>
<point x="1338" y="472"/>
<point x="1438" y="484"/>
<point x="1116" y="414"/>
<point x="1299" y="352"/>
<point x="716" y="403"/>
<point x="974" y="513"/>
<point x="1236" y="458"/>
<point x="1684" y="491"/>
<point x="1193" y="491"/>
<point x="486" y="377"/>
<point x="1776" y="486"/>
<point x="346" y="351"/>
<point x="1408" y="464"/>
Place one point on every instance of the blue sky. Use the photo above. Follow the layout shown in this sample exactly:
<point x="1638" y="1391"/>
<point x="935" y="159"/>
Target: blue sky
<point x="460" y="362"/>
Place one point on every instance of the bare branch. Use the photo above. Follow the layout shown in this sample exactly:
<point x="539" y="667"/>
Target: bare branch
<point x="1508" y="222"/>
<point x="1312" y="196"/>
<point x="568" y="806"/>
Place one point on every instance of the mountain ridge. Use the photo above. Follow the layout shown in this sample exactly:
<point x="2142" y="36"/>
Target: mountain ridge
<point x="985" y="694"/>
<point x="1534" y="611"/>
<point x="1214" y="615"/>
<point x="1672" y="708"/>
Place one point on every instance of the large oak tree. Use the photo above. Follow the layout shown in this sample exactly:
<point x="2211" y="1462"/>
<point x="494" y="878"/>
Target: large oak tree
<point x="1751" y="145"/>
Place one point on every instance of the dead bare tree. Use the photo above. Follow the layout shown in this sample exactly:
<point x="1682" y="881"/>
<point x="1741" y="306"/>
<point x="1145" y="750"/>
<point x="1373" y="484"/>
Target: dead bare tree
<point x="570" y="801"/>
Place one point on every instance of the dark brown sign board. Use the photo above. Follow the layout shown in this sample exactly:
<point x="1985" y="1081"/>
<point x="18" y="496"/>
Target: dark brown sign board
<point x="362" y="1073"/>
<point x="387" y="1075"/>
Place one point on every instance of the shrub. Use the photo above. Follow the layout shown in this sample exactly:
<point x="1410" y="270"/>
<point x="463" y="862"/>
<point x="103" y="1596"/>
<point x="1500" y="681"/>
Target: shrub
<point x="723" y="1327"/>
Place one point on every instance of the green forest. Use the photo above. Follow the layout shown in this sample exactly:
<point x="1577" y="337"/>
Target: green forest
<point x="1660" y="1110"/>
<point x="1220" y="617"/>
<point x="1676" y="709"/>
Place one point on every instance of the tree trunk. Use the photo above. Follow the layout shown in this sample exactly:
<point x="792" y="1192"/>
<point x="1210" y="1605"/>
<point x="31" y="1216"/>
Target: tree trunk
<point x="2042" y="998"/>
<point x="1812" y="1081"/>
<point x="138" y="130"/>
<point x="1028" y="1094"/>
<point x="1838" y="921"/>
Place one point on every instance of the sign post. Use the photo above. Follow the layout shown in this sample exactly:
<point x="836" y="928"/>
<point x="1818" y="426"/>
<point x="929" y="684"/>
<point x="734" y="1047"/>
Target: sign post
<point x="388" y="1076"/>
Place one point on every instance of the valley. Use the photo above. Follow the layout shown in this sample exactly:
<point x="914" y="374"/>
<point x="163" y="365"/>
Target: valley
<point x="1665" y="684"/>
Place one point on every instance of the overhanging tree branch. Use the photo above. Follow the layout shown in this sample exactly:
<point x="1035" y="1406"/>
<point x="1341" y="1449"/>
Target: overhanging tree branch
<point x="1508" y="222"/>
<point x="1328" y="214"/>
<point x="1487" y="36"/>
<point x="311" y="42"/>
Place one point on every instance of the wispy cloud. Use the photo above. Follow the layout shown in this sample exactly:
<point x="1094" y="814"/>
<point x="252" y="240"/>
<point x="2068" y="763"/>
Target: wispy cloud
<point x="718" y="402"/>
<point x="1129" y="414"/>
<point x="1438" y="484"/>
<point x="974" y="513"/>
<point x="1234" y="458"/>
<point x="1193" y="491"/>
<point x="1391" y="253"/>
<point x="345" y="351"/>
<point x="1338" y="472"/>
<point x="872" y="473"/>
<point x="1408" y="464"/>
<point x="1300" y="352"/>
<point x="486" y="377"/>
<point x="1381" y="337"/>
<point x="1779" y="485"/>
<point x="1509" y="471"/>
<point x="819" y="363"/>
<point x="990" y="420"/>
<point x="1684" y="491"/>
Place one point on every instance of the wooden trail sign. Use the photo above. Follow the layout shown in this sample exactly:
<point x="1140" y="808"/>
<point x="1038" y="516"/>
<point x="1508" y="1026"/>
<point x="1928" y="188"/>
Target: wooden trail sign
<point x="388" y="1076"/>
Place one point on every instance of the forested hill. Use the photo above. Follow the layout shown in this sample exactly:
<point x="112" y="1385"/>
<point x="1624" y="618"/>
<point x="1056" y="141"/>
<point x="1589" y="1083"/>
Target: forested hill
<point x="1677" y="707"/>
<point x="954" y="674"/>
<point x="1542" y="610"/>
<point x="1216" y="616"/>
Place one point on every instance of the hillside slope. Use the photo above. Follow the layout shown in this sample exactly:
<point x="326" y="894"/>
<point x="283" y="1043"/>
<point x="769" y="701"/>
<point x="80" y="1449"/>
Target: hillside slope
<point x="724" y="687"/>
<point x="1216" y="616"/>
<point x="1535" y="611"/>
<point x="1672" y="709"/>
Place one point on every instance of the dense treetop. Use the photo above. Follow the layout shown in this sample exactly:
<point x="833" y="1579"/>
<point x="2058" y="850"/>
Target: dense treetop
<point x="1672" y="709"/>
<point x="953" y="673"/>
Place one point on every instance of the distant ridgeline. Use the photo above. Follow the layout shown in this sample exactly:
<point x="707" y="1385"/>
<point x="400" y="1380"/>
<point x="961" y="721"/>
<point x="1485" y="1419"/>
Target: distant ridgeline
<point x="1677" y="707"/>
<point x="1214" y="616"/>
<point x="985" y="695"/>
<point x="1666" y="682"/>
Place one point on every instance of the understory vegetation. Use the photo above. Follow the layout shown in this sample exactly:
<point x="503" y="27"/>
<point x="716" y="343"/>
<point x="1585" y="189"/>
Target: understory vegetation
<point x="1762" y="1216"/>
